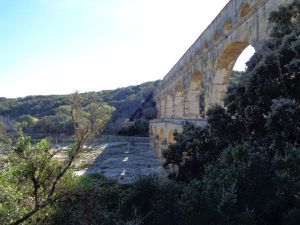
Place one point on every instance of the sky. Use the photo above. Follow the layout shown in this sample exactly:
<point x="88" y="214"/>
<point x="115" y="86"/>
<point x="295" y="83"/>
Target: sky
<point x="62" y="46"/>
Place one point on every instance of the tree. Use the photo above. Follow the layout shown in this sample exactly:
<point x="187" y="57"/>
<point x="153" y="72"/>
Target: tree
<point x="272" y="75"/>
<point x="246" y="186"/>
<point x="3" y="127"/>
<point x="261" y="107"/>
<point x="36" y="176"/>
<point x="190" y="153"/>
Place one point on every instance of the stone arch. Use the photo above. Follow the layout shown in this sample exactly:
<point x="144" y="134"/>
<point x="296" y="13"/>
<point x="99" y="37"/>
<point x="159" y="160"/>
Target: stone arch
<point x="154" y="131"/>
<point x="171" y="139"/>
<point x="197" y="55"/>
<point x="245" y="8"/>
<point x="216" y="37"/>
<point x="161" y="135"/>
<point x="169" y="104"/>
<point x="228" y="26"/>
<point x="193" y="96"/>
<point x="163" y="107"/>
<point x="206" y="46"/>
<point x="179" y="100"/>
<point x="223" y="71"/>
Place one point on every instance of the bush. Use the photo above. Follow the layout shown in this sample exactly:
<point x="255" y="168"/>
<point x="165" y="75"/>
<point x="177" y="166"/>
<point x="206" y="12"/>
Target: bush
<point x="139" y="128"/>
<point x="249" y="181"/>
<point x="95" y="200"/>
<point x="189" y="153"/>
<point x="154" y="200"/>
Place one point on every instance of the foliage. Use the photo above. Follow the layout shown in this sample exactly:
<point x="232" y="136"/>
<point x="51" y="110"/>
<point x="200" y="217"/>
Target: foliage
<point x="272" y="75"/>
<point x="60" y="124"/>
<point x="38" y="174"/>
<point x="246" y="186"/>
<point x="247" y="157"/>
<point x="153" y="200"/>
<point x="42" y="116"/>
<point x="3" y="127"/>
<point x="31" y="181"/>
<point x="139" y="128"/>
<point x="262" y="108"/>
<point x="189" y="153"/>
<point x="139" y="121"/>
<point x="147" y="110"/>
<point x="242" y="168"/>
<point x="95" y="200"/>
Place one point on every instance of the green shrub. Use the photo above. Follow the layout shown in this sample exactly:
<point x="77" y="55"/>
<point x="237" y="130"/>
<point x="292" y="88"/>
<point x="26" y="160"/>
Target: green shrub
<point x="94" y="201"/>
<point x="249" y="181"/>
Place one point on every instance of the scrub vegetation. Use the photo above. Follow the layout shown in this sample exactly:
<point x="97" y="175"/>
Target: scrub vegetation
<point x="41" y="116"/>
<point x="243" y="168"/>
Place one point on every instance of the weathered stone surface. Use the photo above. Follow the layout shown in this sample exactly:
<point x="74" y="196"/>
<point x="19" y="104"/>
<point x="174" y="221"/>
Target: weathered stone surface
<point x="122" y="161"/>
<point x="200" y="78"/>
<point x="162" y="132"/>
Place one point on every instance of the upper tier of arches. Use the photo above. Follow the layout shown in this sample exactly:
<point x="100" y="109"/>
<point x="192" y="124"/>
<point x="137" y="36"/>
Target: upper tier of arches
<point x="200" y="78"/>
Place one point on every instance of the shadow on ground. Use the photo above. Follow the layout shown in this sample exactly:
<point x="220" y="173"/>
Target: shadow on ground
<point x="121" y="161"/>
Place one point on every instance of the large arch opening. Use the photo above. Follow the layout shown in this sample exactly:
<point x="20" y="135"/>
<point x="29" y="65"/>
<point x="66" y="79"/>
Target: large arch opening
<point x="192" y="109"/>
<point x="179" y="100"/>
<point x="240" y="64"/>
<point x="233" y="59"/>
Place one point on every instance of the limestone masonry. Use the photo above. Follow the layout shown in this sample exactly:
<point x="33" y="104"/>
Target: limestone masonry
<point x="200" y="78"/>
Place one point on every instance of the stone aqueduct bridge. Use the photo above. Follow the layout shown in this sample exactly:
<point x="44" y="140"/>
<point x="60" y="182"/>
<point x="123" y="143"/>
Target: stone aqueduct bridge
<point x="200" y="78"/>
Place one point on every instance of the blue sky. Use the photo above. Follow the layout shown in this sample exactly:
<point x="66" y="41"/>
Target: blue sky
<point x="60" y="46"/>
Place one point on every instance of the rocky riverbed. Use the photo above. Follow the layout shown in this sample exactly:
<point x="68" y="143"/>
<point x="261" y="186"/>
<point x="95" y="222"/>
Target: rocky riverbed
<point x="121" y="161"/>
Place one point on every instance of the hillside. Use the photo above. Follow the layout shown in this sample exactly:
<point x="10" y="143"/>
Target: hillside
<point x="45" y="114"/>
